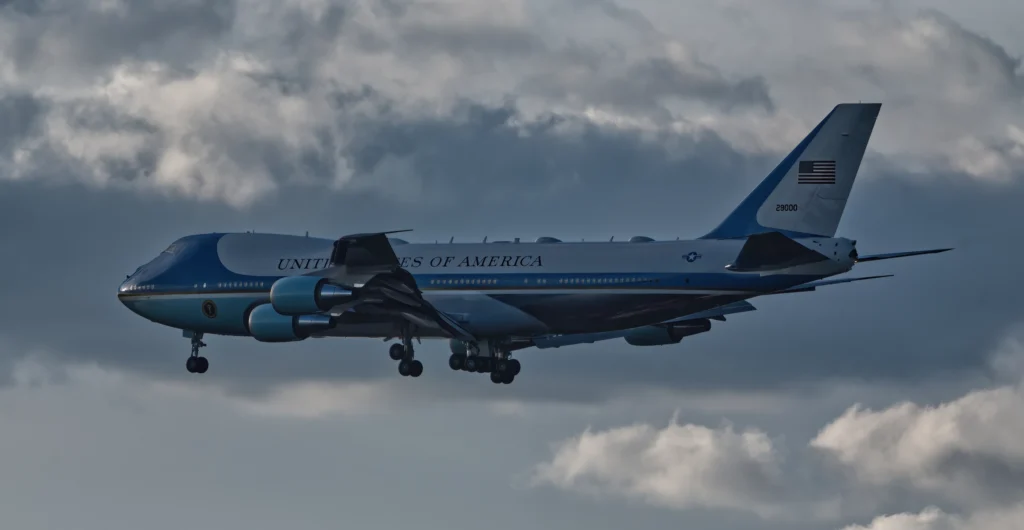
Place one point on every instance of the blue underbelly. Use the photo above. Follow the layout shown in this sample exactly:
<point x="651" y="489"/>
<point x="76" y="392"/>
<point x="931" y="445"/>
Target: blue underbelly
<point x="211" y="313"/>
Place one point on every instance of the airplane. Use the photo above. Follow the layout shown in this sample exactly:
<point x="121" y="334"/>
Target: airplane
<point x="492" y="299"/>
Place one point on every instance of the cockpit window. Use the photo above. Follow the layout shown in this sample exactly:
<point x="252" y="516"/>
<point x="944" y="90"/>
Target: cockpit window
<point x="174" y="248"/>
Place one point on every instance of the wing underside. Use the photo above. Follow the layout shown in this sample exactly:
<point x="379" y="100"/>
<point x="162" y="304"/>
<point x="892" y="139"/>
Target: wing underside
<point x="717" y="313"/>
<point x="386" y="290"/>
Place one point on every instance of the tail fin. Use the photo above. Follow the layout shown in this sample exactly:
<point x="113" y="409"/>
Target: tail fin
<point x="806" y="194"/>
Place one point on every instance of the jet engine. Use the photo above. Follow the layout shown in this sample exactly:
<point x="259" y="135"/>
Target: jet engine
<point x="457" y="346"/>
<point x="668" y="334"/>
<point x="304" y="295"/>
<point x="267" y="325"/>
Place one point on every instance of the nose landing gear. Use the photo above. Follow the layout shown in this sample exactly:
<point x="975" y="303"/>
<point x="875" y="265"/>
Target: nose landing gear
<point x="195" y="363"/>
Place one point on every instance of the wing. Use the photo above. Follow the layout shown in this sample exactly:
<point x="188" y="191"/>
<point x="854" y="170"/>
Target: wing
<point x="810" y="286"/>
<point x="368" y="263"/>
<point x="718" y="313"/>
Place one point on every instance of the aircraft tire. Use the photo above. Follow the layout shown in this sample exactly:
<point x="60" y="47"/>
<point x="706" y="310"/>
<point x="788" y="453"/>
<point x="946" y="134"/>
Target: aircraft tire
<point x="457" y="361"/>
<point x="416" y="368"/>
<point x="497" y="378"/>
<point x="396" y="352"/>
<point x="471" y="364"/>
<point x="202" y="365"/>
<point x="405" y="367"/>
<point x="515" y="366"/>
<point x="191" y="365"/>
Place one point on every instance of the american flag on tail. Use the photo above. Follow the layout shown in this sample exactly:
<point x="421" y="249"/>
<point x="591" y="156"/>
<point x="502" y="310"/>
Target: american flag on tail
<point x="816" y="172"/>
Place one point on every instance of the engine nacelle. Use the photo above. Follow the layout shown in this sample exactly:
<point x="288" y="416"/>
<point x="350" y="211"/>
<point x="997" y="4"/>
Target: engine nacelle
<point x="662" y="335"/>
<point x="267" y="325"/>
<point x="304" y="295"/>
<point x="457" y="346"/>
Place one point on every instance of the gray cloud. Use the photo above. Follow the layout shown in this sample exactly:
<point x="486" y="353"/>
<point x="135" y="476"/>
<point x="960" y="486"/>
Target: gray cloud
<point x="558" y="180"/>
<point x="65" y="38"/>
<point x="19" y="119"/>
<point x="577" y="120"/>
<point x="231" y="115"/>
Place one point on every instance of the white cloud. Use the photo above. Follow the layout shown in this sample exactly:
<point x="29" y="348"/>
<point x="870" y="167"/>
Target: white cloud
<point x="304" y="400"/>
<point x="212" y="121"/>
<point x="963" y="454"/>
<point x="968" y="450"/>
<point x="933" y="518"/>
<point x="678" y="466"/>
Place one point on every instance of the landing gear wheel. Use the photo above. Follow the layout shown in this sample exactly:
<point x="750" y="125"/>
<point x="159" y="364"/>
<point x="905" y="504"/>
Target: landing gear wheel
<point x="416" y="369"/>
<point x="514" y="367"/>
<point x="396" y="352"/>
<point x="405" y="367"/>
<point x="500" y="378"/>
<point x="456" y="361"/>
<point x="472" y="364"/>
<point x="196" y="364"/>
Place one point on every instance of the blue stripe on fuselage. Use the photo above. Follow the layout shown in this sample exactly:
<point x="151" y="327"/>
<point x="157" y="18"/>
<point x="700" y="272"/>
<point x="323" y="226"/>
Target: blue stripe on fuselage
<point x="171" y="288"/>
<point x="233" y="283"/>
<point x="192" y="265"/>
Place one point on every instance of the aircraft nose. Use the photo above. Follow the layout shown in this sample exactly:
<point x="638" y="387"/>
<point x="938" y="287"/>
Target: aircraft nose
<point x="128" y="287"/>
<point x="123" y="290"/>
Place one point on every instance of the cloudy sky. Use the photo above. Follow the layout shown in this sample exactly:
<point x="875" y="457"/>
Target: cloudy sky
<point x="890" y="405"/>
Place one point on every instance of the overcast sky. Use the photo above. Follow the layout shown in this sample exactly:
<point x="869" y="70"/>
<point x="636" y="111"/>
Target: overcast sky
<point x="889" y="405"/>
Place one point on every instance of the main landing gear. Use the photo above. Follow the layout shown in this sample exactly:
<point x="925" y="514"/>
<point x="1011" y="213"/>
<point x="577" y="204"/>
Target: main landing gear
<point x="403" y="353"/>
<point x="196" y="364"/>
<point x="497" y="362"/>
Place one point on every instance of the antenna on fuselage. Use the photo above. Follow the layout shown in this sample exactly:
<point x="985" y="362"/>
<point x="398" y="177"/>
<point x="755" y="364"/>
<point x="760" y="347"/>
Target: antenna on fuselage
<point x="612" y="239"/>
<point x="452" y="239"/>
<point x="485" y="239"/>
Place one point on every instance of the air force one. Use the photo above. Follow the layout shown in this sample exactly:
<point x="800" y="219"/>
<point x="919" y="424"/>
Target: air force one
<point x="491" y="299"/>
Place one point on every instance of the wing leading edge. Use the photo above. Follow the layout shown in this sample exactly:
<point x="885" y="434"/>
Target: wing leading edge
<point x="368" y="263"/>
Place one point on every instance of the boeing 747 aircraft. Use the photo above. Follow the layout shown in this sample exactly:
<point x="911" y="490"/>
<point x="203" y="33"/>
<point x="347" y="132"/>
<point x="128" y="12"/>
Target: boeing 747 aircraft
<point x="492" y="299"/>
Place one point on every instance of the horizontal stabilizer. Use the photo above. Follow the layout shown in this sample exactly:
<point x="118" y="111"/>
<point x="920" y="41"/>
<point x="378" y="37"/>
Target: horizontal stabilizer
<point x="772" y="251"/>
<point x="803" y="288"/>
<point x="893" y="255"/>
